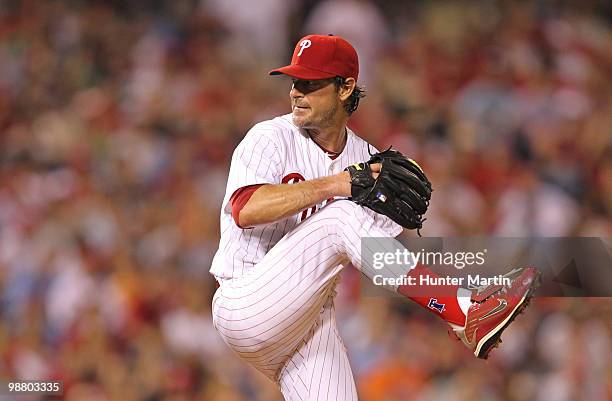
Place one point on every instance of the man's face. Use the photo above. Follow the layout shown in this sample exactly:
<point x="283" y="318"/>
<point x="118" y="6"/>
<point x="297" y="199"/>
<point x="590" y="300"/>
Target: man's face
<point x="314" y="103"/>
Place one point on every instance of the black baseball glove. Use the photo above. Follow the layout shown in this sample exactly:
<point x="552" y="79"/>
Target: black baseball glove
<point x="401" y="191"/>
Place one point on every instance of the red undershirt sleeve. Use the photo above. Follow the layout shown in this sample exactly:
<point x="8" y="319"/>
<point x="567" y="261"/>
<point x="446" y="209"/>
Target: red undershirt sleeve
<point x="240" y="198"/>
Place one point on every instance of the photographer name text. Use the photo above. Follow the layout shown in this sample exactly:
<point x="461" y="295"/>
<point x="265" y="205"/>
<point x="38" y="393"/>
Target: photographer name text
<point x="476" y="280"/>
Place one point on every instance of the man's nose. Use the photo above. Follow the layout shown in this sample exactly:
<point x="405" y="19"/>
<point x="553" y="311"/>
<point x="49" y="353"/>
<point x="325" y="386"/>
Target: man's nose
<point x="295" y="92"/>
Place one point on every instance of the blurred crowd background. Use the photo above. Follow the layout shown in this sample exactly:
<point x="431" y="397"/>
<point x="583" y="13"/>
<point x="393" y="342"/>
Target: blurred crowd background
<point x="117" y="123"/>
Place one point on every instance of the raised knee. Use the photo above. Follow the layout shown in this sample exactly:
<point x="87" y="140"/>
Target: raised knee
<point x="339" y="211"/>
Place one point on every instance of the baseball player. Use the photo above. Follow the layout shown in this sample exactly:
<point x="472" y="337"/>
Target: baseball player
<point x="302" y="191"/>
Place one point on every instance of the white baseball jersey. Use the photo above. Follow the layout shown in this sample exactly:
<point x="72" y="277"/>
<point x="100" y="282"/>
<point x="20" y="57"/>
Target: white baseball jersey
<point x="274" y="306"/>
<point x="275" y="152"/>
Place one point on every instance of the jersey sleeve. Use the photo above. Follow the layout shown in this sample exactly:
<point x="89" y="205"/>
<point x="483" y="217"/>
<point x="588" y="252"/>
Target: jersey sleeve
<point x="256" y="161"/>
<point x="239" y="199"/>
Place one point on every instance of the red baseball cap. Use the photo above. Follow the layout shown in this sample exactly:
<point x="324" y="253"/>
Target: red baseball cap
<point x="320" y="57"/>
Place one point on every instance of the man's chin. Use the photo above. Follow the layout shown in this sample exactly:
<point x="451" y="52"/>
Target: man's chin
<point x="300" y="122"/>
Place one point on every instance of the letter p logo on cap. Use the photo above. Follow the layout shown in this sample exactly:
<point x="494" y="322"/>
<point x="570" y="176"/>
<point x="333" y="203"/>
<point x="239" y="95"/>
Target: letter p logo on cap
<point x="304" y="44"/>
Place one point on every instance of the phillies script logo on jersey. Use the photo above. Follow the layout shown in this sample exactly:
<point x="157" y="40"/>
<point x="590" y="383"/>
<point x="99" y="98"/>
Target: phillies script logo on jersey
<point x="294" y="178"/>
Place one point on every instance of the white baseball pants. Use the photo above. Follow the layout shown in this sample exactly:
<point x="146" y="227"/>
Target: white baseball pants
<point x="280" y="318"/>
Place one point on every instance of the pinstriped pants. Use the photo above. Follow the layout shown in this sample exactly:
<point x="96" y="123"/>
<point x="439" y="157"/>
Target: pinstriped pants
<point x="280" y="318"/>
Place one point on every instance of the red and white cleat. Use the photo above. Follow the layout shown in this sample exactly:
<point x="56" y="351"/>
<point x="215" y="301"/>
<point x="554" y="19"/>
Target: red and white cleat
<point x="494" y="308"/>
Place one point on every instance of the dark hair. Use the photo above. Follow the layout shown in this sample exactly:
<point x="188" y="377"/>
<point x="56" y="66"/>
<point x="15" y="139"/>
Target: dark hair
<point x="352" y="102"/>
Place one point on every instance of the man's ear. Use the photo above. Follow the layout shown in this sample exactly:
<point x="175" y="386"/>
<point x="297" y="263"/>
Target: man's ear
<point x="347" y="88"/>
